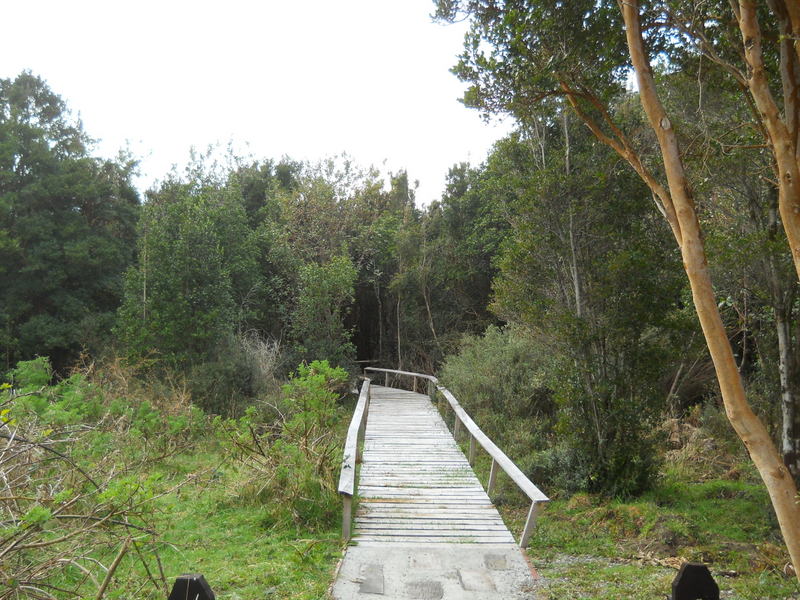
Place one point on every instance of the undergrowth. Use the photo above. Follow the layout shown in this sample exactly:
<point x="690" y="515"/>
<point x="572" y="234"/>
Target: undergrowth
<point x="708" y="505"/>
<point x="113" y="484"/>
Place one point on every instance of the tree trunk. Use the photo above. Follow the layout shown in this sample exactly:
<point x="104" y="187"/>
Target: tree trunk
<point x="399" y="356"/>
<point x="782" y="139"/>
<point x="573" y="266"/>
<point x="779" y="483"/>
<point x="789" y="437"/>
<point x="782" y="300"/>
<point x="377" y="288"/>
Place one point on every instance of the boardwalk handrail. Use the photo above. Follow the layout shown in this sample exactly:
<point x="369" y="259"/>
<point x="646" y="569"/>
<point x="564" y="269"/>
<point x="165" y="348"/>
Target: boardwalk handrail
<point x="416" y="376"/>
<point x="499" y="458"/>
<point x="352" y="455"/>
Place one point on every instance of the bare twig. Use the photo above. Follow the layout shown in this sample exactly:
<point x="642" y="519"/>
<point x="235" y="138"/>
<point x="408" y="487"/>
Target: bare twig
<point x="112" y="568"/>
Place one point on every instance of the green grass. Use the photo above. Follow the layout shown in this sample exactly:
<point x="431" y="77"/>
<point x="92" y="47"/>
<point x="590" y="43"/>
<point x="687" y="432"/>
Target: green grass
<point x="592" y="547"/>
<point x="241" y="550"/>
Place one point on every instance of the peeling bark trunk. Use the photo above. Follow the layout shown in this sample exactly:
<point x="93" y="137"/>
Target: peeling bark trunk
<point x="782" y="139"/>
<point x="777" y="479"/>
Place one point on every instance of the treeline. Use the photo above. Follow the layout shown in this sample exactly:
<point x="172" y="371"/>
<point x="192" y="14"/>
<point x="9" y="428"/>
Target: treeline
<point x="222" y="267"/>
<point x="543" y="281"/>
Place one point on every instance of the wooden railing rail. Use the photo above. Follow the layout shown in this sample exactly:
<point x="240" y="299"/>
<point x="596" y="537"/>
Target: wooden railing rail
<point x="352" y="456"/>
<point x="432" y="381"/>
<point x="499" y="458"/>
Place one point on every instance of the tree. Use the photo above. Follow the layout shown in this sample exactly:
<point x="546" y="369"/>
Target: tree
<point x="197" y="278"/>
<point x="589" y="276"/>
<point x="67" y="228"/>
<point x="326" y="292"/>
<point x="520" y="52"/>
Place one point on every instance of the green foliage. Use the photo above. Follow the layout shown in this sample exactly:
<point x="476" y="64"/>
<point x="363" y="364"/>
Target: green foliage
<point x="67" y="228"/>
<point x="589" y="274"/>
<point x="29" y="375"/>
<point x="196" y="258"/>
<point x="69" y="468"/>
<point x="294" y="456"/>
<point x="500" y="381"/>
<point x="326" y="292"/>
<point x="518" y="53"/>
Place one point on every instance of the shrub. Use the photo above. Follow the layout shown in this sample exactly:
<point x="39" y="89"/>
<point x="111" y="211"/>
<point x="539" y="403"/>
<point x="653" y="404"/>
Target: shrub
<point x="292" y="451"/>
<point x="73" y="473"/>
<point x="532" y="399"/>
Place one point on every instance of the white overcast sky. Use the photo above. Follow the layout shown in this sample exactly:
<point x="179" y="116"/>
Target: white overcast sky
<point x="303" y="78"/>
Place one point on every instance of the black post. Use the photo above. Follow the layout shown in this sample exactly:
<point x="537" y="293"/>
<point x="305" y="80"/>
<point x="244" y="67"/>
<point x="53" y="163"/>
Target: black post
<point x="694" y="582"/>
<point x="192" y="586"/>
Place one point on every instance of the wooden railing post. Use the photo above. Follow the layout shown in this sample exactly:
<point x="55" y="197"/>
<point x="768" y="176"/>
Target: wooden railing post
<point x="530" y="523"/>
<point x="386" y="380"/>
<point x="456" y="427"/>
<point x="471" y="449"/>
<point x="492" y="478"/>
<point x="347" y="516"/>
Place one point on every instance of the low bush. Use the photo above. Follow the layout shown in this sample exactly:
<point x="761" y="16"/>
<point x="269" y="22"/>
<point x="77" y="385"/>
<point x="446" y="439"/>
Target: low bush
<point x="72" y="493"/>
<point x="290" y="449"/>
<point x="533" y="402"/>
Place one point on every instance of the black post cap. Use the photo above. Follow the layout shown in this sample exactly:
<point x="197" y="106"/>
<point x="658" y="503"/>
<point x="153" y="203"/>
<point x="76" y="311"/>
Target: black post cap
<point x="191" y="586"/>
<point x="694" y="582"/>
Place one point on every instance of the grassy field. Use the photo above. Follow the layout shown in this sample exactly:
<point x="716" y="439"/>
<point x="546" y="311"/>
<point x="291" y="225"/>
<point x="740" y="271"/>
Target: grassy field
<point x="593" y="547"/>
<point x="254" y="508"/>
<point x="243" y="551"/>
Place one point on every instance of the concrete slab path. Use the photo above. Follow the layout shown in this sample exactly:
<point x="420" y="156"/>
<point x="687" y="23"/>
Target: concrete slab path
<point x="424" y="526"/>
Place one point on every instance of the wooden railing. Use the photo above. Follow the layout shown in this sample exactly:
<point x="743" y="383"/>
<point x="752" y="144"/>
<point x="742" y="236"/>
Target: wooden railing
<point x="499" y="459"/>
<point x="392" y="376"/>
<point x="352" y="456"/>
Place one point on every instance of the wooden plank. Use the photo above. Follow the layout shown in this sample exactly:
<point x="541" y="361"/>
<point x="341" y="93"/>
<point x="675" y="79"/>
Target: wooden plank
<point x="394" y="520"/>
<point x="413" y="540"/>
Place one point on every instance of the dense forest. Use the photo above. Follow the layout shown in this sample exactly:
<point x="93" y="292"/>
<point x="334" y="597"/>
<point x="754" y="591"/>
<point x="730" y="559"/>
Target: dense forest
<point x="237" y="299"/>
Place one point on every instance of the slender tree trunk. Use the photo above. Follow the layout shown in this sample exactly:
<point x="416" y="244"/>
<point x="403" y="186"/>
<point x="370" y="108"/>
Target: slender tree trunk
<point x="782" y="300"/>
<point x="426" y="297"/>
<point x="789" y="437"/>
<point x="782" y="134"/>
<point x="144" y="279"/>
<point x="779" y="483"/>
<point x="380" y="319"/>
<point x="399" y="356"/>
<point x="573" y="267"/>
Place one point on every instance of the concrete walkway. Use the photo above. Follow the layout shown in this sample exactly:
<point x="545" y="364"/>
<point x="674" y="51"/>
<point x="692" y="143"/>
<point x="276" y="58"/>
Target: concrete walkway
<point x="424" y="527"/>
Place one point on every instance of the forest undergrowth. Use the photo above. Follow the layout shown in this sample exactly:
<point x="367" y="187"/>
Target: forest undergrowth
<point x="113" y="484"/>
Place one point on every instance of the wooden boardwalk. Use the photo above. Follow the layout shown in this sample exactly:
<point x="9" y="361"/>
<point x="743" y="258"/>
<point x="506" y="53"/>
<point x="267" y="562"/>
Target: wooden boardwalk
<point x="424" y="526"/>
<point x="416" y="485"/>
